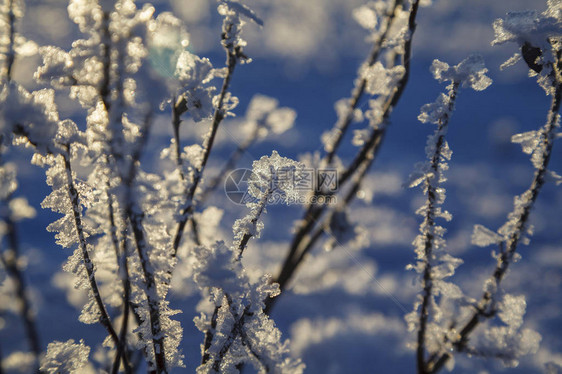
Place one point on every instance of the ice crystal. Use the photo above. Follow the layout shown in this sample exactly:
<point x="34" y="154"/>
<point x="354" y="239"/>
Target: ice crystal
<point x="65" y="358"/>
<point x="535" y="34"/>
<point x="530" y="26"/>
<point x="375" y="113"/>
<point x="470" y="72"/>
<point x="237" y="7"/>
<point x="32" y="116"/>
<point x="57" y="66"/>
<point x="200" y="104"/>
<point x="483" y="237"/>
<point x="380" y="80"/>
<point x="243" y="333"/>
<point x="193" y="71"/>
<point x="232" y="26"/>
<point x="528" y="140"/>
<point x="509" y="341"/>
<point x="196" y="95"/>
<point x="342" y="107"/>
<point x="275" y="175"/>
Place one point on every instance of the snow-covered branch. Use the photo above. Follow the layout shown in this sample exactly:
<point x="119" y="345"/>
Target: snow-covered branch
<point x="434" y="264"/>
<point x="238" y="330"/>
<point x="388" y="84"/>
<point x="233" y="44"/>
<point x="521" y="28"/>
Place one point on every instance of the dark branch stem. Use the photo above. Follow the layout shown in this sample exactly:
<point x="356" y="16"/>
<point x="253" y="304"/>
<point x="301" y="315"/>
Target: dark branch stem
<point x="123" y="272"/>
<point x="11" y="55"/>
<point x="313" y="212"/>
<point x="343" y="123"/>
<point x="254" y="220"/>
<point x="88" y="264"/>
<point x="218" y="116"/>
<point x="234" y="333"/>
<point x="11" y="266"/>
<point x="176" y="121"/>
<point x="429" y="222"/>
<point x="209" y="335"/>
<point x="135" y="217"/>
<point x="506" y="256"/>
<point x="104" y="89"/>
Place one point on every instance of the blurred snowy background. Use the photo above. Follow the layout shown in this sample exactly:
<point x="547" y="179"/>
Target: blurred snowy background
<point x="345" y="311"/>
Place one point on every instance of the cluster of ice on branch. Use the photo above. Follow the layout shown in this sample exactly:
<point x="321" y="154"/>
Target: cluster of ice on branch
<point x="539" y="35"/>
<point x="238" y="331"/>
<point x="439" y="299"/>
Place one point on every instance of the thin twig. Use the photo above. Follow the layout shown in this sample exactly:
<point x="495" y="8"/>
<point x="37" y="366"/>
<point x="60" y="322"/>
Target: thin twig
<point x="231" y="61"/>
<point x="345" y="120"/>
<point x="248" y="344"/>
<point x="313" y="212"/>
<point x="11" y="266"/>
<point x="123" y="273"/>
<point x="234" y="333"/>
<point x="178" y="108"/>
<point x="88" y="264"/>
<point x="11" y="54"/>
<point x="136" y="218"/>
<point x="176" y="121"/>
<point x="209" y="334"/>
<point x="429" y="222"/>
<point x="10" y="263"/>
<point x="104" y="89"/>
<point x="258" y="210"/>
<point x="506" y="256"/>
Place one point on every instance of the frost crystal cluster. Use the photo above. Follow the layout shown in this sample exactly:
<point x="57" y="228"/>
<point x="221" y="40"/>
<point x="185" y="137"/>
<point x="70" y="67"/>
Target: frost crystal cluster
<point x="117" y="217"/>
<point x="67" y="357"/>
<point x="238" y="331"/>
<point x="539" y="36"/>
<point x="145" y="234"/>
<point x="440" y="299"/>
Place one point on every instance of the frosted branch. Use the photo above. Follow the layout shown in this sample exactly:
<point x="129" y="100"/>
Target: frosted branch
<point x="365" y="156"/>
<point x="87" y="262"/>
<point x="512" y="232"/>
<point x="232" y="44"/>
